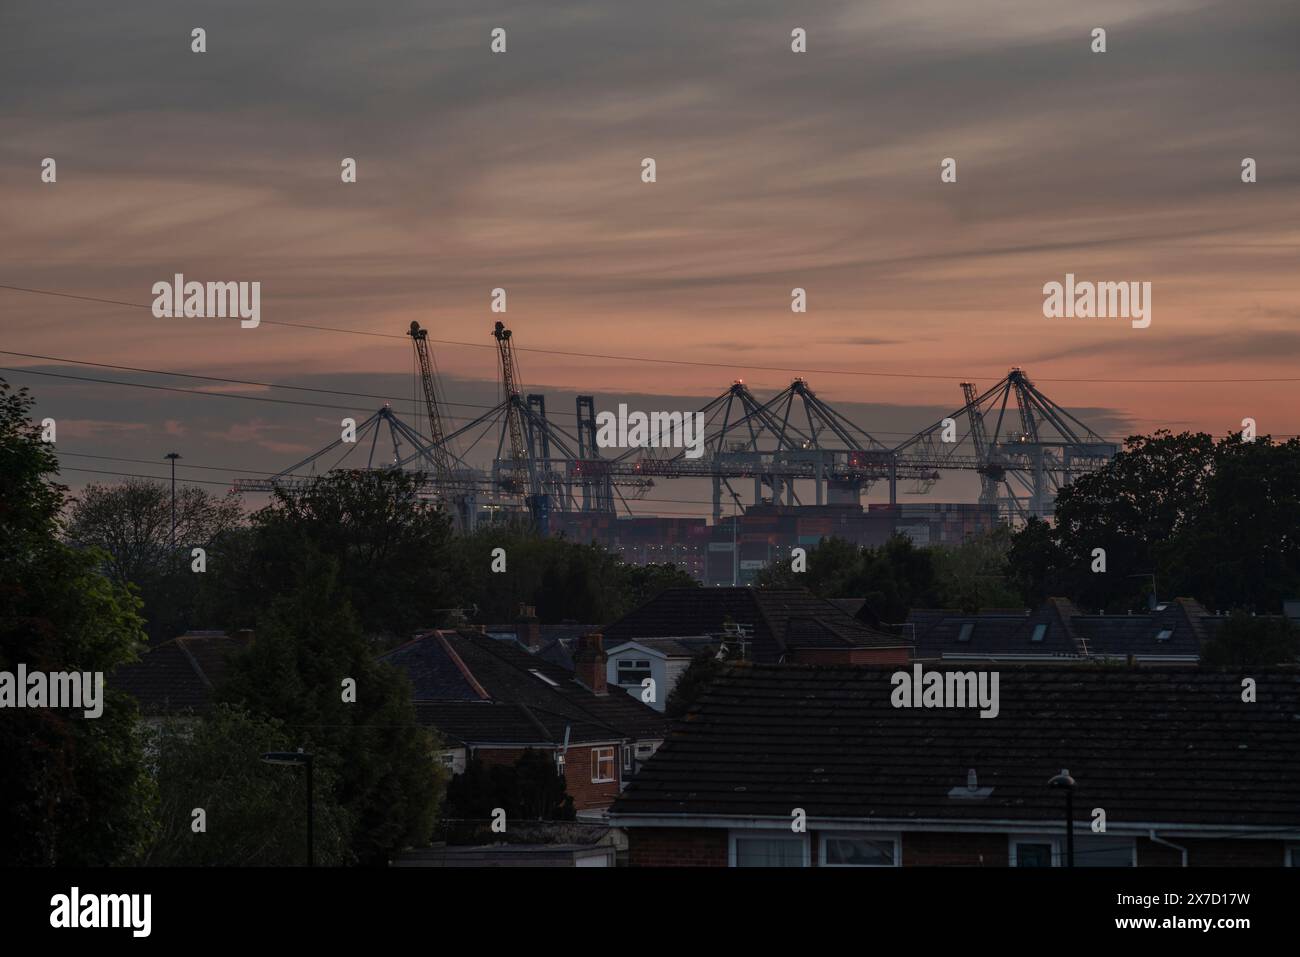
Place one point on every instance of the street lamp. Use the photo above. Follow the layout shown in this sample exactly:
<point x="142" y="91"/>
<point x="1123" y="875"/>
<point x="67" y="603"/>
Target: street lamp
<point x="1065" y="782"/>
<point x="173" y="456"/>
<point x="303" y="758"/>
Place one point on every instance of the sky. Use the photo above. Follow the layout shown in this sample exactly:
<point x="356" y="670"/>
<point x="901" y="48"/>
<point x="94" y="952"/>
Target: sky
<point x="522" y="170"/>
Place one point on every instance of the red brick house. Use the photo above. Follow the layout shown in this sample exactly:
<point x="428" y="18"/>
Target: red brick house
<point x="491" y="699"/>
<point x="1182" y="770"/>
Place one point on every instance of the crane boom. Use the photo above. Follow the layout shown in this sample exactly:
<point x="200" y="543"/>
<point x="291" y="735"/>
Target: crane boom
<point x="437" y="448"/>
<point x="518" y="451"/>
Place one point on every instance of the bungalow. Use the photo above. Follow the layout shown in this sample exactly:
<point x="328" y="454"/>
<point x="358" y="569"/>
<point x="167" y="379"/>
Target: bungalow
<point x="178" y="677"/>
<point x="819" y="766"/>
<point x="493" y="700"/>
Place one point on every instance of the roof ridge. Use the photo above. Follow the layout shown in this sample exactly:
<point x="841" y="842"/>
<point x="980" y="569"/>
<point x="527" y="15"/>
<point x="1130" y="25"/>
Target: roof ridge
<point x="194" y="662"/>
<point x="464" y="669"/>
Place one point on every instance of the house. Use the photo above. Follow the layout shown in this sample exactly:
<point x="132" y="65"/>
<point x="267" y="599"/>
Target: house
<point x="1171" y="633"/>
<point x="554" y="643"/>
<point x="1183" y="767"/>
<point x="178" y="677"/>
<point x="492" y="700"/>
<point x="785" y="625"/>
<point x="663" y="660"/>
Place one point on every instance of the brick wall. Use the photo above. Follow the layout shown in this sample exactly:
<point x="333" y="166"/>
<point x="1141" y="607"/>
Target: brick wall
<point x="850" y="656"/>
<point x="577" y="773"/>
<point x="577" y="777"/>
<point x="925" y="849"/>
<point x="677" y="847"/>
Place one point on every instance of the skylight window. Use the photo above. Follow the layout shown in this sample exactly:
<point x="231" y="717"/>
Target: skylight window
<point x="1164" y="634"/>
<point x="966" y="630"/>
<point x="537" y="674"/>
<point x="1039" y="632"/>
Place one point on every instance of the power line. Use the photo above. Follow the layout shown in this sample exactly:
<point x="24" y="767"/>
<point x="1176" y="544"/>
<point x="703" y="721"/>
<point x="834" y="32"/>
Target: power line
<point x="278" y="385"/>
<point x="949" y="377"/>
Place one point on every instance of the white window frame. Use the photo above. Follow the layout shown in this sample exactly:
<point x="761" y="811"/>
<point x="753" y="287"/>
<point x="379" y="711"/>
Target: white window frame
<point x="627" y="757"/>
<point x="632" y="664"/>
<point x="823" y="836"/>
<point x="773" y="834"/>
<point x="595" y="765"/>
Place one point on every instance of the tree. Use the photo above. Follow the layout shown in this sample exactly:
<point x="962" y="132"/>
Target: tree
<point x="975" y="574"/>
<point x="532" y="789"/>
<point x="254" y="814"/>
<point x="74" y="791"/>
<point x="131" y="525"/>
<point x="1244" y="641"/>
<point x="694" y="682"/>
<point x="390" y="547"/>
<point x="308" y="652"/>
<point x="836" y="569"/>
<point x="899" y="576"/>
<point x="1210" y="520"/>
<point x="641" y="583"/>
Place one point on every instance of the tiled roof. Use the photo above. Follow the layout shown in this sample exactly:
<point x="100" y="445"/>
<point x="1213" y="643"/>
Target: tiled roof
<point x="443" y="665"/>
<point x="178" y="675"/>
<point x="1158" y="745"/>
<point x="687" y="647"/>
<point x="818" y="623"/>
<point x="1066" y="632"/>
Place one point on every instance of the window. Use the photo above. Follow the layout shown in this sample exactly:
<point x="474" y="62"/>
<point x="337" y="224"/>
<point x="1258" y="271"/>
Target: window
<point x="449" y="760"/>
<point x="1032" y="853"/>
<point x="627" y="757"/>
<point x="1039" y="632"/>
<point x="644" y="750"/>
<point x="632" y="671"/>
<point x="757" y="849"/>
<point x="1090" y="850"/>
<point x="559" y="762"/>
<point x="966" y="630"/>
<point x="859" y="850"/>
<point x="1101" y="850"/>
<point x="1164" y="634"/>
<point x="1293" y="855"/>
<point x="537" y="674"/>
<point x="602" y="765"/>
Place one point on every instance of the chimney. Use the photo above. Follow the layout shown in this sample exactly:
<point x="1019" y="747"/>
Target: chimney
<point x="527" y="628"/>
<point x="589" y="663"/>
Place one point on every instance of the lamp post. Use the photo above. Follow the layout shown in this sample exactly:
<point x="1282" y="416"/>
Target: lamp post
<point x="1063" y="781"/>
<point x="303" y="758"/>
<point x="173" y="456"/>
